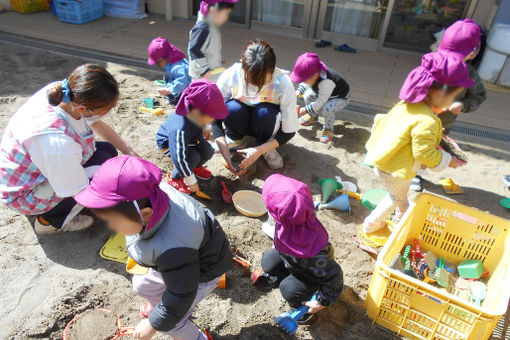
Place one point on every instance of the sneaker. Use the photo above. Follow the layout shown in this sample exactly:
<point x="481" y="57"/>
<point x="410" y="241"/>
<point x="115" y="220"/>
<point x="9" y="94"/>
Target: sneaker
<point x="203" y="173"/>
<point x="78" y="223"/>
<point x="178" y="184"/>
<point x="274" y="160"/>
<point x="236" y="144"/>
<point x="42" y="227"/>
<point x="416" y="184"/>
<point x="370" y="227"/>
<point x="145" y="310"/>
<point x="327" y="136"/>
<point x="307" y="119"/>
<point x="506" y="179"/>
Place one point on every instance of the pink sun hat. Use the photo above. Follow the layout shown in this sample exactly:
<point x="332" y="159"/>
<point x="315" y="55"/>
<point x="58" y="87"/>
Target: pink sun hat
<point x="161" y="48"/>
<point x="204" y="96"/>
<point x="298" y="232"/>
<point x="204" y="5"/>
<point x="126" y="178"/>
<point x="443" y="68"/>
<point x="306" y="66"/>
<point x="461" y="38"/>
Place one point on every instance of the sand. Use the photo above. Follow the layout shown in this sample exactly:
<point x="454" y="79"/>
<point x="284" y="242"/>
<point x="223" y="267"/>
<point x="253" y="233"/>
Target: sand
<point x="46" y="281"/>
<point x="94" y="325"/>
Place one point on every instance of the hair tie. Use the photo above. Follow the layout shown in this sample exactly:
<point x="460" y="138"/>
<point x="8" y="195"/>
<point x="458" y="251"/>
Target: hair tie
<point x="66" y="91"/>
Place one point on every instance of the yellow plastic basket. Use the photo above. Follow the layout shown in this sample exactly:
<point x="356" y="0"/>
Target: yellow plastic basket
<point x="29" y="6"/>
<point x="455" y="232"/>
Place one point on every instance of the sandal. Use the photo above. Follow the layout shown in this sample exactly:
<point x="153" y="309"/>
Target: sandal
<point x="307" y="119"/>
<point x="323" y="43"/>
<point x="345" y="48"/>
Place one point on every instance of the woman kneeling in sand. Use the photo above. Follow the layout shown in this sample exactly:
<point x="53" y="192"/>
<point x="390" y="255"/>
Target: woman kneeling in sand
<point x="48" y="151"/>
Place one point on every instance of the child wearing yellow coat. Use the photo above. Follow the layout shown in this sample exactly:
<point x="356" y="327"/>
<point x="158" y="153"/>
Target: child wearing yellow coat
<point x="407" y="138"/>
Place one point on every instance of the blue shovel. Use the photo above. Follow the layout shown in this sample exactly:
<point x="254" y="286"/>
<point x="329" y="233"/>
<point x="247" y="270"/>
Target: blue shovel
<point x="288" y="321"/>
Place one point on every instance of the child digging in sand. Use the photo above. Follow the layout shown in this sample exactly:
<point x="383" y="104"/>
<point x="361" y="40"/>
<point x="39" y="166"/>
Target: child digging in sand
<point x="302" y="260"/>
<point x="182" y="134"/>
<point x="204" y="47"/>
<point x="182" y="243"/>
<point x="407" y="138"/>
<point x="324" y="90"/>
<point x="176" y="67"/>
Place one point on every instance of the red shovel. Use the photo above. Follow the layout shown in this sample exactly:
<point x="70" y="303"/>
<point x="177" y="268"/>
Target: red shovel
<point x="226" y="194"/>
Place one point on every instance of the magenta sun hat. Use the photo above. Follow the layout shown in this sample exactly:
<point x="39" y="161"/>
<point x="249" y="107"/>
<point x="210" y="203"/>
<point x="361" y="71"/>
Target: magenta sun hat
<point x="204" y="96"/>
<point x="441" y="67"/>
<point x="125" y="178"/>
<point x="306" y="66"/>
<point x="161" y="48"/>
<point x="204" y="5"/>
<point x="298" y="232"/>
<point x="461" y="38"/>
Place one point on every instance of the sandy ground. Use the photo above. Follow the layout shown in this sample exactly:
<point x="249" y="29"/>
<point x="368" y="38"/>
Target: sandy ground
<point x="45" y="281"/>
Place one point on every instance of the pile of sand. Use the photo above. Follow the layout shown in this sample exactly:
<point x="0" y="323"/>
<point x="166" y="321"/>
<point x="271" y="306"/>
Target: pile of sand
<point x="93" y="325"/>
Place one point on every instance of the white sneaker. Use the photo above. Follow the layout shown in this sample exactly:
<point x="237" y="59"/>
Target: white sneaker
<point x="78" y="223"/>
<point x="268" y="227"/>
<point x="274" y="160"/>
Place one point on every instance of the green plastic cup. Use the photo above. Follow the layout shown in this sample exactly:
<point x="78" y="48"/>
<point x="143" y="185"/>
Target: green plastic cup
<point x="148" y="103"/>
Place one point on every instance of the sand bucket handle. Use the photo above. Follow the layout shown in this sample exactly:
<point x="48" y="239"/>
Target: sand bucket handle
<point x="125" y="331"/>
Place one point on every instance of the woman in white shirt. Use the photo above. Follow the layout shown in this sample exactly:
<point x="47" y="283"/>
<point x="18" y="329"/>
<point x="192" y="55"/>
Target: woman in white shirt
<point x="261" y="102"/>
<point x="48" y="151"/>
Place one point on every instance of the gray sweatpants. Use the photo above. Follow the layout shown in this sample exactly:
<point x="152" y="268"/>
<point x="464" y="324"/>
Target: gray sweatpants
<point x="329" y="109"/>
<point x="151" y="287"/>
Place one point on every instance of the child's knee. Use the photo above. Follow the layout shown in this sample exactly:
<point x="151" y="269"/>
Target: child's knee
<point x="271" y="260"/>
<point x="291" y="292"/>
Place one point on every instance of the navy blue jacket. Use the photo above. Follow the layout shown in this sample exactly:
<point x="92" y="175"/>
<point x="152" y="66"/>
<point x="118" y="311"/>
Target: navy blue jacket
<point x="175" y="136"/>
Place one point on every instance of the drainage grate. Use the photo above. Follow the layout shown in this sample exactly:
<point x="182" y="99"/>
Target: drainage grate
<point x="458" y="127"/>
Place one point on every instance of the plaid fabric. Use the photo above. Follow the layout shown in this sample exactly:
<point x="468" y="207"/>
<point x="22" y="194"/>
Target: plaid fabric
<point x="268" y="94"/>
<point x="19" y="175"/>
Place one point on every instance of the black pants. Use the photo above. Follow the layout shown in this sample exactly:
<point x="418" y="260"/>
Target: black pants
<point x="58" y="215"/>
<point x="198" y="155"/>
<point x="294" y="289"/>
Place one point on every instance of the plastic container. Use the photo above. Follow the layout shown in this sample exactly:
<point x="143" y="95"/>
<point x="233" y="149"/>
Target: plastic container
<point x="455" y="232"/>
<point x="29" y="6"/>
<point x="78" y="12"/>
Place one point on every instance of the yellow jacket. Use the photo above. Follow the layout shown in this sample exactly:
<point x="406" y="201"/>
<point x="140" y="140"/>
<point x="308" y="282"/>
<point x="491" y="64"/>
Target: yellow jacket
<point x="406" y="138"/>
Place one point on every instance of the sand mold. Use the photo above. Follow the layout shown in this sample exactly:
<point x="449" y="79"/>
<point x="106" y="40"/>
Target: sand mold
<point x="93" y="324"/>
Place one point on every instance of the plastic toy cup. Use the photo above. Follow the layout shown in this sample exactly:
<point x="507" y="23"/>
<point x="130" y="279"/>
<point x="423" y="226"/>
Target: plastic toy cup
<point x="148" y="103"/>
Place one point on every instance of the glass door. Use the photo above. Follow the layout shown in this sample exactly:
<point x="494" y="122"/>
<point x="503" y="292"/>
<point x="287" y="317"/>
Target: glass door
<point x="358" y="21"/>
<point x="237" y="16"/>
<point x="413" y="22"/>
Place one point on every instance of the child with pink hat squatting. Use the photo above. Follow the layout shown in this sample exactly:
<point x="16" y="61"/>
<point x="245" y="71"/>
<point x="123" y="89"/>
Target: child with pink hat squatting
<point x="462" y="39"/>
<point x="176" y="67"/>
<point x="204" y="48"/>
<point x="407" y="138"/>
<point x="182" y="243"/>
<point x="182" y="134"/>
<point x="325" y="91"/>
<point x="302" y="261"/>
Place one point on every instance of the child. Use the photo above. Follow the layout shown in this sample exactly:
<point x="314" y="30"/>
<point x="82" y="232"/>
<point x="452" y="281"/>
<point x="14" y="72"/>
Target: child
<point x="182" y="134"/>
<point x="462" y="39"/>
<point x="407" y="138"/>
<point x="302" y="261"/>
<point x="176" y="67"/>
<point x="324" y="91"/>
<point x="204" y="47"/>
<point x="261" y="103"/>
<point x="182" y="243"/>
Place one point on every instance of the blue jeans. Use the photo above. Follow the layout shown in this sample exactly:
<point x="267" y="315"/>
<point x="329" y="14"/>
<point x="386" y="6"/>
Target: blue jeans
<point x="259" y="121"/>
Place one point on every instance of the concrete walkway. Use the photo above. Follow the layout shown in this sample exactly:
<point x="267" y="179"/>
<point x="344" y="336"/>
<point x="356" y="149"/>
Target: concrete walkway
<point x="375" y="77"/>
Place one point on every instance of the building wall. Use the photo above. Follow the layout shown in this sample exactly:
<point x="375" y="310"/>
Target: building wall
<point x="485" y="11"/>
<point x="179" y="7"/>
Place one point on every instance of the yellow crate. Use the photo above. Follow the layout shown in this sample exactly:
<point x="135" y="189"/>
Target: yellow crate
<point x="455" y="232"/>
<point x="29" y="6"/>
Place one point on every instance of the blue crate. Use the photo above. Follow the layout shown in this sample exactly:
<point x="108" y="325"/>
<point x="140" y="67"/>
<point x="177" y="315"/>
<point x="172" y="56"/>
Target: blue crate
<point x="79" y="12"/>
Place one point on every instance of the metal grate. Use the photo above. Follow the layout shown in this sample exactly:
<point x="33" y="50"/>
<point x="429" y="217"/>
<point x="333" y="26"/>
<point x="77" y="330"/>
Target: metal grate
<point x="458" y="127"/>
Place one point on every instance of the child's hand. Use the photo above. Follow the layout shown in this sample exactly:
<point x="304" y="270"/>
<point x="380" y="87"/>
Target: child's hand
<point x="314" y="306"/>
<point x="194" y="187"/>
<point x="455" y="108"/>
<point x="164" y="91"/>
<point x="144" y="330"/>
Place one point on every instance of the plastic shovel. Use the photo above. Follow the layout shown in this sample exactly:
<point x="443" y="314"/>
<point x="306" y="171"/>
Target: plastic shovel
<point x="226" y="194"/>
<point x="203" y="195"/>
<point x="288" y="322"/>
<point x="441" y="274"/>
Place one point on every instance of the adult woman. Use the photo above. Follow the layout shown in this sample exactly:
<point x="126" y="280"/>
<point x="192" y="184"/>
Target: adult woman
<point x="261" y="102"/>
<point x="48" y="151"/>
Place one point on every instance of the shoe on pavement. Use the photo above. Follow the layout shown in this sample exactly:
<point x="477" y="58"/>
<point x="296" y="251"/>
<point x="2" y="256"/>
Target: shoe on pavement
<point x="145" y="309"/>
<point x="274" y="160"/>
<point x="307" y="119"/>
<point x="78" y="223"/>
<point x="178" y="184"/>
<point x="327" y="136"/>
<point x="203" y="173"/>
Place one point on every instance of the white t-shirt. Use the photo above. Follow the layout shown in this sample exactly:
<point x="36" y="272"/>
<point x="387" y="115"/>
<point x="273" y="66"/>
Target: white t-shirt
<point x="57" y="156"/>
